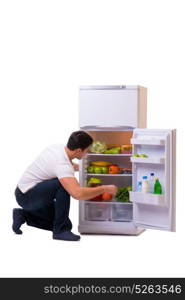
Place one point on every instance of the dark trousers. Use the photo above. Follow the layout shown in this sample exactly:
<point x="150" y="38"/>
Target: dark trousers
<point x="46" y="206"/>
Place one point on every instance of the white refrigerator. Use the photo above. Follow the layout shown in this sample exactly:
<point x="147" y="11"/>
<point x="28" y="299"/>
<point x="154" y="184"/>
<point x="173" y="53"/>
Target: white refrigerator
<point x="118" y="115"/>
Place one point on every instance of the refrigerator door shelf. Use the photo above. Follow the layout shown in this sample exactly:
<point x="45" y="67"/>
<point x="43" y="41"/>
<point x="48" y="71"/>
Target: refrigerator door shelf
<point x="147" y="198"/>
<point x="149" y="141"/>
<point x="148" y="160"/>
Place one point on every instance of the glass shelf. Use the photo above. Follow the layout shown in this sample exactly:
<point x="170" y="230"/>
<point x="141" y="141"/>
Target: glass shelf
<point x="92" y="174"/>
<point x="102" y="154"/>
<point x="113" y="201"/>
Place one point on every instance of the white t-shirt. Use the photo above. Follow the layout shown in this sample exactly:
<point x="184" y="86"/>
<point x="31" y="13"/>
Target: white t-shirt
<point x="52" y="162"/>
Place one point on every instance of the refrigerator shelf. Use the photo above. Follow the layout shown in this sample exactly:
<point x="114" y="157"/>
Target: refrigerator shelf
<point x="159" y="142"/>
<point x="93" y="174"/>
<point x="147" y="198"/>
<point x="158" y="160"/>
<point x="114" y="202"/>
<point x="97" y="154"/>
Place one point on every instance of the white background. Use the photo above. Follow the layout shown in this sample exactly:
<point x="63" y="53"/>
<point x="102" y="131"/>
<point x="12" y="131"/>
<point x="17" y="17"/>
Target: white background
<point x="48" y="49"/>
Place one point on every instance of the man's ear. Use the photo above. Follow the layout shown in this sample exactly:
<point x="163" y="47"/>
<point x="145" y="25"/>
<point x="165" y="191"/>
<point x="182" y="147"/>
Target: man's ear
<point x="79" y="150"/>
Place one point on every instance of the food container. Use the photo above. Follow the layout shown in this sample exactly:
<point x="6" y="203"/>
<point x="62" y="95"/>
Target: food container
<point x="97" y="212"/>
<point x="126" y="149"/>
<point x="122" y="212"/>
<point x="126" y="171"/>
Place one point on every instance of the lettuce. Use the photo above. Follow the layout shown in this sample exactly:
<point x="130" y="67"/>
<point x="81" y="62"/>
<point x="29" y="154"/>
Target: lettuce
<point x="98" y="147"/>
<point x="122" y="194"/>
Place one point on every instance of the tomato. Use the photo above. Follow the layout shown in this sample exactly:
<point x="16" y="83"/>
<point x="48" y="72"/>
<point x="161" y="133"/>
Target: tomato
<point x="114" y="169"/>
<point x="106" y="196"/>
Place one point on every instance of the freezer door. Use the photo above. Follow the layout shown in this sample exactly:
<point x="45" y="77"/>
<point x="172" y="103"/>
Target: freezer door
<point x="151" y="210"/>
<point x="109" y="107"/>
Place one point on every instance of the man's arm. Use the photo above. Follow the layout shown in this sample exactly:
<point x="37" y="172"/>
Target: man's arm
<point x="72" y="186"/>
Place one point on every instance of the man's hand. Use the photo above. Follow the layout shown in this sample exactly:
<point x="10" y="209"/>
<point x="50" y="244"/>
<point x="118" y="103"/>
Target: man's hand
<point x="75" y="166"/>
<point x="112" y="189"/>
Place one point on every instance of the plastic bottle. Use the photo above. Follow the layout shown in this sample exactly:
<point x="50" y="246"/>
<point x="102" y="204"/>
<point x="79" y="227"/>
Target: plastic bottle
<point x="152" y="182"/>
<point x="139" y="186"/>
<point x="145" y="185"/>
<point x="157" y="187"/>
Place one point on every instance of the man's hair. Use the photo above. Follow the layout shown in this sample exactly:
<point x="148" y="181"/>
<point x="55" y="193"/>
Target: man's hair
<point x="79" y="139"/>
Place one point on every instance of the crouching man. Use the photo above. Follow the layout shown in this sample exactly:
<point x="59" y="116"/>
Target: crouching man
<point x="45" y="188"/>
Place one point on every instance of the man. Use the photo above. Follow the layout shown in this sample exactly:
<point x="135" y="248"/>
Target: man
<point x="44" y="189"/>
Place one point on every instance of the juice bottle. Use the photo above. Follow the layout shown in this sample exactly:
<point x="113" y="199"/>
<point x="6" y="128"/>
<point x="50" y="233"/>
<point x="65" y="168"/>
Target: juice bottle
<point x="145" y="185"/>
<point x="139" y="186"/>
<point x="157" y="187"/>
<point x="152" y="182"/>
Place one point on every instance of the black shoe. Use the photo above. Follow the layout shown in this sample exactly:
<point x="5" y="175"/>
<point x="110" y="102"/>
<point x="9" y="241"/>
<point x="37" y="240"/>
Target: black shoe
<point x="18" y="220"/>
<point x="66" y="236"/>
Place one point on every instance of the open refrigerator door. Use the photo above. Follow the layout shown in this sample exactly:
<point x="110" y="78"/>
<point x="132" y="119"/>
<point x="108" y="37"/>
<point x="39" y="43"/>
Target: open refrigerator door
<point x="154" y="151"/>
